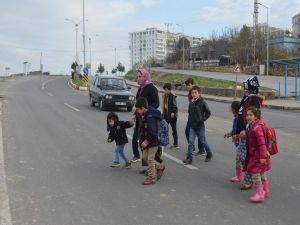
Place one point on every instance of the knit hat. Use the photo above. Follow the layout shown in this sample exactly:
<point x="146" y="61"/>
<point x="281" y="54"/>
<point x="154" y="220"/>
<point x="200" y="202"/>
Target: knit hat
<point x="251" y="84"/>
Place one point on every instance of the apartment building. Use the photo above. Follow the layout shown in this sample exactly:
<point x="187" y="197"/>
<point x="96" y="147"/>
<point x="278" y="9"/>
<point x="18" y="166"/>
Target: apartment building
<point x="296" y="25"/>
<point x="147" y="45"/>
<point x="152" y="45"/>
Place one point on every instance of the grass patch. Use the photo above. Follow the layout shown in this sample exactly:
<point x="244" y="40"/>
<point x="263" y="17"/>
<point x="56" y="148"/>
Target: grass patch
<point x="80" y="83"/>
<point x="180" y="78"/>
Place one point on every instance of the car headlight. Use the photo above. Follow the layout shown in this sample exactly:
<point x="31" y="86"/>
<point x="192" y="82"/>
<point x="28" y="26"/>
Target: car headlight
<point x="131" y="98"/>
<point x="108" y="96"/>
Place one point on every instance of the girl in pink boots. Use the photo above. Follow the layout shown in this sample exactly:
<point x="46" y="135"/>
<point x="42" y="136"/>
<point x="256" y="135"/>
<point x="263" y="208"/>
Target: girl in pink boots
<point x="235" y="105"/>
<point x="257" y="161"/>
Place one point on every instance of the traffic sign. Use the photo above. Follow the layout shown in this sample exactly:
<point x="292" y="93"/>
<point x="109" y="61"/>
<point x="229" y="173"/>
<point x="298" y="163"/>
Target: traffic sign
<point x="85" y="70"/>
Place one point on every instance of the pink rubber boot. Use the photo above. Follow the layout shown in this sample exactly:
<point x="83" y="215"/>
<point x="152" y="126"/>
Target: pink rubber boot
<point x="266" y="188"/>
<point x="259" y="195"/>
<point x="238" y="175"/>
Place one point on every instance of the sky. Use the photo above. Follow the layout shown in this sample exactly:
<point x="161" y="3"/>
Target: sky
<point x="34" y="28"/>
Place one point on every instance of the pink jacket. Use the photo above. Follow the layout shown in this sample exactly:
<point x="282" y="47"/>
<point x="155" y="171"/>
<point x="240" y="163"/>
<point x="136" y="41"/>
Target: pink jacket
<point x="256" y="149"/>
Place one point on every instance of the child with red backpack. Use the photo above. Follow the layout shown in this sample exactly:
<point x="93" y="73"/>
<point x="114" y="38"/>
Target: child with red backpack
<point x="257" y="161"/>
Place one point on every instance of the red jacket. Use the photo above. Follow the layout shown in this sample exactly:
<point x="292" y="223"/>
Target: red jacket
<point x="256" y="149"/>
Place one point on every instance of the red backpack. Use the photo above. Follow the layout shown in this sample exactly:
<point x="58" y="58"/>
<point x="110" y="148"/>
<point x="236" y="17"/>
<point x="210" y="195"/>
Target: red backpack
<point x="271" y="139"/>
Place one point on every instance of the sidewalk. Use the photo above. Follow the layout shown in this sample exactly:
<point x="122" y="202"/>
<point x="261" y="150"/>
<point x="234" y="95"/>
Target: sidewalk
<point x="281" y="104"/>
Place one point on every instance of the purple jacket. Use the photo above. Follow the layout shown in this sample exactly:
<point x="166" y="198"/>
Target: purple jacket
<point x="256" y="149"/>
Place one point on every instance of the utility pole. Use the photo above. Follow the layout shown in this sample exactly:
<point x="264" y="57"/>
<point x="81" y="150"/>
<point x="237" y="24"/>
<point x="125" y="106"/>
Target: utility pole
<point x="83" y="31"/>
<point x="41" y="62"/>
<point x="255" y="22"/>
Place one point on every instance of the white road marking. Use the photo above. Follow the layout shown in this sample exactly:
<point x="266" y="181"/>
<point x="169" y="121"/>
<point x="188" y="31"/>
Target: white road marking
<point x="5" y="217"/>
<point x="50" y="94"/>
<point x="45" y="82"/>
<point x="71" y="107"/>
<point x="191" y="167"/>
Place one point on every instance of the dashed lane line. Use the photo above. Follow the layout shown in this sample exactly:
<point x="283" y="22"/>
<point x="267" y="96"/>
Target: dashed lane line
<point x="71" y="107"/>
<point x="50" y="94"/>
<point x="191" y="167"/>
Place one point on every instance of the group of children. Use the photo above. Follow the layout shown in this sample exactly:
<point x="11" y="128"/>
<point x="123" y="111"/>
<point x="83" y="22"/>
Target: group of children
<point x="247" y="133"/>
<point x="249" y="138"/>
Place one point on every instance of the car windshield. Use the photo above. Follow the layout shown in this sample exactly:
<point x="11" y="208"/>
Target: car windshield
<point x="113" y="84"/>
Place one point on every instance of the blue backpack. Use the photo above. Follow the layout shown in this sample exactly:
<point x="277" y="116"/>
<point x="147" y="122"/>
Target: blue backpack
<point x="163" y="132"/>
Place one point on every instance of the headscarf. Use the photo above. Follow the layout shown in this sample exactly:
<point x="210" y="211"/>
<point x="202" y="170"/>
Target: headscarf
<point x="251" y="84"/>
<point x="147" y="77"/>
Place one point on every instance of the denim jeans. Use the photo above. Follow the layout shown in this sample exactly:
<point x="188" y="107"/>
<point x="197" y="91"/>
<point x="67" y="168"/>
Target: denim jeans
<point x="187" y="133"/>
<point x="119" y="150"/>
<point x="135" y="144"/>
<point x="174" y="131"/>
<point x="200" y="133"/>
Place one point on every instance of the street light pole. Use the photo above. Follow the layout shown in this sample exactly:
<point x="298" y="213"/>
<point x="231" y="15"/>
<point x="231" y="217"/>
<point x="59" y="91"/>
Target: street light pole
<point x="83" y="31"/>
<point x="268" y="36"/>
<point x="182" y="45"/>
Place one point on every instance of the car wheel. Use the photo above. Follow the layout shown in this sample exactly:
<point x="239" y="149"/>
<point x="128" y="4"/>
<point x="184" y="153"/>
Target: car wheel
<point x="129" y="108"/>
<point x="101" y="107"/>
<point x="92" y="103"/>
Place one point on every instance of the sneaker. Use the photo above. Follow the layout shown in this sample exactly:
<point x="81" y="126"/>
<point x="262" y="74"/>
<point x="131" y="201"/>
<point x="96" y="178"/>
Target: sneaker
<point x="187" y="161"/>
<point x="160" y="172"/>
<point x="143" y="172"/>
<point x="174" y="147"/>
<point x="115" y="164"/>
<point x="200" y="152"/>
<point x="127" y="165"/>
<point x="135" y="159"/>
<point x="149" y="181"/>
<point x="208" y="157"/>
<point x="245" y="186"/>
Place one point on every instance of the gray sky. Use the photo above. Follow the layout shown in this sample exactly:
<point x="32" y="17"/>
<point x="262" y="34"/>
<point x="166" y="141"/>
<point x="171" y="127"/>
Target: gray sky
<point x="29" y="27"/>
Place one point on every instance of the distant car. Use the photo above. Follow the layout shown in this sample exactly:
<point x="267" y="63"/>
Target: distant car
<point x="109" y="91"/>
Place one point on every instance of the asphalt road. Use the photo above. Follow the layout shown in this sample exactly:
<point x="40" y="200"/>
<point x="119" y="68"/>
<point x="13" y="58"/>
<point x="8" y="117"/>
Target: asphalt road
<point x="57" y="167"/>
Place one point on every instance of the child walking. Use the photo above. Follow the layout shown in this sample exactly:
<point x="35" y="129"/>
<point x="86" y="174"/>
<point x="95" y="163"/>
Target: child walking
<point x="257" y="161"/>
<point x="235" y="105"/>
<point x="199" y="112"/>
<point x="117" y="133"/>
<point x="169" y="109"/>
<point x="149" y="139"/>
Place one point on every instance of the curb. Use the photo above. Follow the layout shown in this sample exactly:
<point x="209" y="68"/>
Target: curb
<point x="77" y="87"/>
<point x="216" y="99"/>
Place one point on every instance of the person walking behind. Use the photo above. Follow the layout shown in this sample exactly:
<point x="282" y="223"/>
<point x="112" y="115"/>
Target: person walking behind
<point x="117" y="133"/>
<point x="257" y="161"/>
<point x="149" y="92"/>
<point x="199" y="112"/>
<point x="149" y="139"/>
<point x="251" y="88"/>
<point x="189" y="83"/>
<point x="170" y="110"/>
<point x="235" y="105"/>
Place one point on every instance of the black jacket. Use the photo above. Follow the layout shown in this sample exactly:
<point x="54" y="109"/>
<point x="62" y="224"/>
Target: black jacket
<point x="118" y="132"/>
<point x="246" y="102"/>
<point x="199" y="112"/>
<point x="171" y="107"/>
<point x="150" y="93"/>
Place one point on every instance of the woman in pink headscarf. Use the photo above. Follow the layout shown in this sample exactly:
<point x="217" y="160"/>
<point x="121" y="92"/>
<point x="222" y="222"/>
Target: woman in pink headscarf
<point x="148" y="91"/>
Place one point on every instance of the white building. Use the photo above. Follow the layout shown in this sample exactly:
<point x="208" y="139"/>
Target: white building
<point x="151" y="46"/>
<point x="296" y="25"/>
<point x="147" y="45"/>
